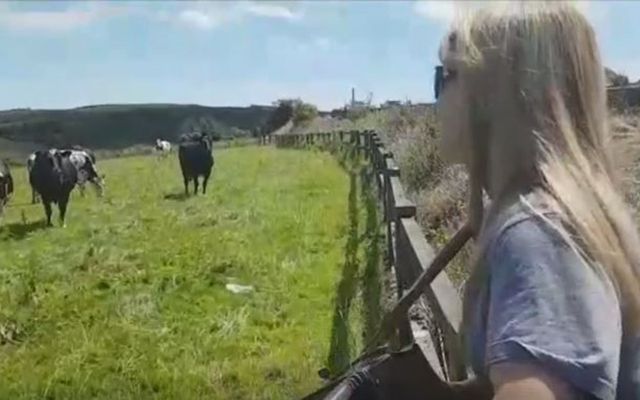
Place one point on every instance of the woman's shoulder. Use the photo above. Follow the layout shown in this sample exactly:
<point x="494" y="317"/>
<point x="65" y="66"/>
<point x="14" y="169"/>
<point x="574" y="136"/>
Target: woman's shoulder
<point x="534" y="247"/>
<point x="526" y="224"/>
<point x="549" y="305"/>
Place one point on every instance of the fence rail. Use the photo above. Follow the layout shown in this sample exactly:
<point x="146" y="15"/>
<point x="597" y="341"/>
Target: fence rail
<point x="408" y="251"/>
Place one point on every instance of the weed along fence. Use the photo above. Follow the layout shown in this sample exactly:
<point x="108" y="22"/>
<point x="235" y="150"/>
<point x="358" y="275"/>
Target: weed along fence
<point x="408" y="252"/>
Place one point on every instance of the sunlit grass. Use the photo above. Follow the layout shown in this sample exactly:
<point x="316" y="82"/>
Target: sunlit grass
<point x="129" y="300"/>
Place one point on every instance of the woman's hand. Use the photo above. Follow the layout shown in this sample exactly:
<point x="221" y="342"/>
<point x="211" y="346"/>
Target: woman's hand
<point x="527" y="381"/>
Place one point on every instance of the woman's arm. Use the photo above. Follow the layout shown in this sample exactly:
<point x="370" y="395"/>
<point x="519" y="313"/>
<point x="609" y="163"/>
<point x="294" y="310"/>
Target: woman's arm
<point x="527" y="381"/>
<point x="477" y="388"/>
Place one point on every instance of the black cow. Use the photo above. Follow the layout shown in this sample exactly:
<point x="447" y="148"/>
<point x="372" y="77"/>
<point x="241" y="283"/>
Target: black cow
<point x="196" y="160"/>
<point x="6" y="184"/>
<point x="30" y="161"/>
<point x="53" y="176"/>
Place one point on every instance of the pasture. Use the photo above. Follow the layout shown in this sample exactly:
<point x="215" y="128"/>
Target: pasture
<point x="129" y="300"/>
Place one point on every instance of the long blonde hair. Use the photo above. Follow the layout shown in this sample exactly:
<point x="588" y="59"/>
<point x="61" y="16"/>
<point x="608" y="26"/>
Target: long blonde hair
<point x="535" y="80"/>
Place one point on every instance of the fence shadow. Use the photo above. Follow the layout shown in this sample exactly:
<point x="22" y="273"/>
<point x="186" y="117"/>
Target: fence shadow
<point x="408" y="256"/>
<point x="368" y="277"/>
<point x="180" y="196"/>
<point x="341" y="339"/>
<point x="371" y="282"/>
<point x="20" y="230"/>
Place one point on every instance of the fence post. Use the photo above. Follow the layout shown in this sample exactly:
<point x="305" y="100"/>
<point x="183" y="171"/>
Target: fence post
<point x="367" y="144"/>
<point x="379" y="151"/>
<point x="399" y="211"/>
<point x="390" y="171"/>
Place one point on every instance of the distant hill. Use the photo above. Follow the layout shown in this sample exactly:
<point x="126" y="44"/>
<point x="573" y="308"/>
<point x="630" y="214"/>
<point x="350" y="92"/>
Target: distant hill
<point x="123" y="125"/>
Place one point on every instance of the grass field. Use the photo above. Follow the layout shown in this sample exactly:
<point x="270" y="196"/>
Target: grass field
<point x="129" y="300"/>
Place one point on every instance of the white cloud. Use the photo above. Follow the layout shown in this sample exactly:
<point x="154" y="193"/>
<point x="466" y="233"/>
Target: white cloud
<point x="437" y="11"/>
<point x="205" y="15"/>
<point x="444" y="11"/>
<point x="198" y="19"/>
<point x="209" y="15"/>
<point x="270" y="10"/>
<point x="200" y="15"/>
<point x="58" y="20"/>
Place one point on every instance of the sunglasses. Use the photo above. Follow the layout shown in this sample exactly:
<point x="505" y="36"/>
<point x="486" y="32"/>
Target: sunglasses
<point x="442" y="76"/>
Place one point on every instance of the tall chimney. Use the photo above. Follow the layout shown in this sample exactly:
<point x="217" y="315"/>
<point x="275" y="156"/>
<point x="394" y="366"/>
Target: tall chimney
<point x="353" y="97"/>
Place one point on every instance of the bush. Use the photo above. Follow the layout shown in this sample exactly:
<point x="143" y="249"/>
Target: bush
<point x="304" y="113"/>
<point x="281" y="115"/>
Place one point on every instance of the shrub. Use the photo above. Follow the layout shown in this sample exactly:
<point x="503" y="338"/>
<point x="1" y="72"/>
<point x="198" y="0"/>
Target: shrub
<point x="304" y="113"/>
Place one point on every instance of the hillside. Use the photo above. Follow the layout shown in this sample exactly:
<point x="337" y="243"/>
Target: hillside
<point x="121" y="126"/>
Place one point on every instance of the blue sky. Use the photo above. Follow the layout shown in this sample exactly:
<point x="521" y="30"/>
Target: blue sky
<point x="60" y="54"/>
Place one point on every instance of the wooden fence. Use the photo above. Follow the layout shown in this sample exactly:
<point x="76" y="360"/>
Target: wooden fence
<point x="408" y="252"/>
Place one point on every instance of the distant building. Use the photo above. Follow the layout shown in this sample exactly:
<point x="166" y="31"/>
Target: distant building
<point x="391" y="104"/>
<point x="358" y="104"/>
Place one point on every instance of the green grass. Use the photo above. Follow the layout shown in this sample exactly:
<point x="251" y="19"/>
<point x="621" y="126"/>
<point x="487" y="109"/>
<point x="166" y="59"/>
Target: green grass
<point x="129" y="300"/>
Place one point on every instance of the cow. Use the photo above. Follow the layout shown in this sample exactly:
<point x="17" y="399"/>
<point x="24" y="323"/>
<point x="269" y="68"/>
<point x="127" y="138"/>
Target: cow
<point x="53" y="176"/>
<point x="90" y="153"/>
<point x="196" y="159"/>
<point x="6" y="184"/>
<point x="163" y="146"/>
<point x="30" y="160"/>
<point x="85" y="163"/>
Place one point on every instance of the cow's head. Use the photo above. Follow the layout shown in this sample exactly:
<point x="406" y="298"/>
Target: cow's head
<point x="46" y="160"/>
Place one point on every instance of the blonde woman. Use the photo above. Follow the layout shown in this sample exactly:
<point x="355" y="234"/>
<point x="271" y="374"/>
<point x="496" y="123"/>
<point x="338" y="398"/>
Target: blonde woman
<point x="552" y="307"/>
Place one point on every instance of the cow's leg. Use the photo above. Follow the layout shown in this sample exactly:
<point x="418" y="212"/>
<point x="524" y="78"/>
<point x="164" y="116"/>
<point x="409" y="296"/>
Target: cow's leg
<point x="204" y="183"/>
<point x="186" y="185"/>
<point x="33" y="196"/>
<point x="81" y="189"/>
<point x="195" y="183"/>
<point x="47" y="210"/>
<point x="62" y="207"/>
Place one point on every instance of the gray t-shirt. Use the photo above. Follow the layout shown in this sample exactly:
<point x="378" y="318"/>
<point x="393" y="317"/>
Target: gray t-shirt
<point x="540" y="302"/>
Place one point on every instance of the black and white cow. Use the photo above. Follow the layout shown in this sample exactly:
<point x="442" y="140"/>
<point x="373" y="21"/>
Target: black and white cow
<point x="89" y="152"/>
<point x="194" y="154"/>
<point x="85" y="163"/>
<point x="6" y="184"/>
<point x="163" y="147"/>
<point x="84" y="160"/>
<point x="53" y="176"/>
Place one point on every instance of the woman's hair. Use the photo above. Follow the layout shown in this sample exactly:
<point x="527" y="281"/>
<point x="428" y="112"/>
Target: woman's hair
<point x="534" y="80"/>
